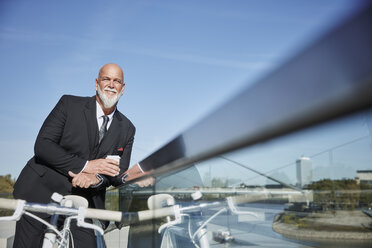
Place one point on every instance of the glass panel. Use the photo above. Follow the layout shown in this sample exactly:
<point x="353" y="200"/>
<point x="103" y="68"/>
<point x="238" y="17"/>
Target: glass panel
<point x="311" y="188"/>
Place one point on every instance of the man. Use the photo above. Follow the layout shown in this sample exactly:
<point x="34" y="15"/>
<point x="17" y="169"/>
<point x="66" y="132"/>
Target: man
<point x="70" y="152"/>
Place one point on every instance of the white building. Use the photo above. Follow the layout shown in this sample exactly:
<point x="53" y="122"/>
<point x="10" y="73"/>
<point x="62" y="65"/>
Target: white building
<point x="364" y="176"/>
<point x="304" y="171"/>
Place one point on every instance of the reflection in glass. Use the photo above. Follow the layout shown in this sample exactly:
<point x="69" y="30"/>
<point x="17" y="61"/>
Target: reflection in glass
<point x="308" y="189"/>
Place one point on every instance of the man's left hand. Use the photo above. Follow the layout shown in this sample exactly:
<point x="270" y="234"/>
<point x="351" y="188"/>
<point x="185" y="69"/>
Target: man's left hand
<point x="83" y="180"/>
<point x="136" y="172"/>
<point x="150" y="181"/>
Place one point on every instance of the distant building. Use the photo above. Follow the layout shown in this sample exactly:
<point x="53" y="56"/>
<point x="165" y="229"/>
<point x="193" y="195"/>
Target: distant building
<point x="304" y="171"/>
<point x="364" y="176"/>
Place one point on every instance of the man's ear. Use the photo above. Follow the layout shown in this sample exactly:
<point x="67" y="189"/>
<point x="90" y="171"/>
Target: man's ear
<point x="96" y="84"/>
<point x="122" y="90"/>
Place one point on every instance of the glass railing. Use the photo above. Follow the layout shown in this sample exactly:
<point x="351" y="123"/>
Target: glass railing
<point x="287" y="163"/>
<point x="311" y="188"/>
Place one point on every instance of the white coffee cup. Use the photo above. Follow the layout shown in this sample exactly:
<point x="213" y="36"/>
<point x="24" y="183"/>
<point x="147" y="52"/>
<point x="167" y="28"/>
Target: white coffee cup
<point x="114" y="157"/>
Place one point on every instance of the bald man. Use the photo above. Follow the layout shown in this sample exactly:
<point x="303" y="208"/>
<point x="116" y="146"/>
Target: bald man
<point x="70" y="155"/>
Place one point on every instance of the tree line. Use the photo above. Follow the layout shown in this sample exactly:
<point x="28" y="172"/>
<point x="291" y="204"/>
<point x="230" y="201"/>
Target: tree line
<point x="6" y="184"/>
<point x="341" y="194"/>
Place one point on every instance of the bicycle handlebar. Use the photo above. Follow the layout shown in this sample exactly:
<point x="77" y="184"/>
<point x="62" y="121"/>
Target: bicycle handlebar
<point x="117" y="216"/>
<point x="126" y="217"/>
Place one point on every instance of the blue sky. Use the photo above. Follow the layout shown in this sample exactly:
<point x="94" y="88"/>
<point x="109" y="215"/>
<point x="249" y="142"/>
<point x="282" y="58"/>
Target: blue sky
<point x="181" y="59"/>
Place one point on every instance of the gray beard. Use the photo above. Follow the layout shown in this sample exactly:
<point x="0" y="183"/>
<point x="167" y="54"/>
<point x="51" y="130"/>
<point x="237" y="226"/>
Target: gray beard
<point x="108" y="102"/>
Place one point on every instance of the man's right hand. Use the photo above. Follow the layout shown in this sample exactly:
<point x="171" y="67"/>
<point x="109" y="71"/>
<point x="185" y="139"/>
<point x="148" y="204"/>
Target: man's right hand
<point x="107" y="167"/>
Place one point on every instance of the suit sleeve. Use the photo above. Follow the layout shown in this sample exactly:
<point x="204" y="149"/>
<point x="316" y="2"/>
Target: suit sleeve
<point x="47" y="148"/>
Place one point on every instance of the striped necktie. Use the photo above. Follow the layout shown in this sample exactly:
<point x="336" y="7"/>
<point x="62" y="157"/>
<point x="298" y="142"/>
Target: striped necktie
<point x="103" y="129"/>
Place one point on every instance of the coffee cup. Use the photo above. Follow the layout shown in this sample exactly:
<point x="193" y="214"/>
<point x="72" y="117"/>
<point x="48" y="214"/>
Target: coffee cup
<point x="114" y="157"/>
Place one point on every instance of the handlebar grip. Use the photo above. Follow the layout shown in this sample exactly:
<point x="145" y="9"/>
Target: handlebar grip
<point x="8" y="203"/>
<point x="129" y="218"/>
<point x="155" y="213"/>
<point x="103" y="214"/>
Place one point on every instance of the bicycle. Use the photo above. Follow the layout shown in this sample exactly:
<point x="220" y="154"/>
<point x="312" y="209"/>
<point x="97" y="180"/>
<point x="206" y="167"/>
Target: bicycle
<point x="74" y="207"/>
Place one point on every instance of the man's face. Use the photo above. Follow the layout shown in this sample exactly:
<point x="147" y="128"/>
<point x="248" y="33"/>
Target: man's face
<point x="110" y="85"/>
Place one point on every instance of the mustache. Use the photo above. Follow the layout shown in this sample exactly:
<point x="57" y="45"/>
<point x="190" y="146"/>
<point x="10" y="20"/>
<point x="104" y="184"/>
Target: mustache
<point x="109" y="89"/>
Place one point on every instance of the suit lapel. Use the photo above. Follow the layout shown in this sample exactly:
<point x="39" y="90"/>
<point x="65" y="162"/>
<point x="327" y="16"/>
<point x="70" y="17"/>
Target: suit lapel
<point x="92" y="127"/>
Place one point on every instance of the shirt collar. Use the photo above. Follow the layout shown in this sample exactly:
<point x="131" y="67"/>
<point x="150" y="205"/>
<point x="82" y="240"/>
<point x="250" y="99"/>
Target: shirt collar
<point x="100" y="112"/>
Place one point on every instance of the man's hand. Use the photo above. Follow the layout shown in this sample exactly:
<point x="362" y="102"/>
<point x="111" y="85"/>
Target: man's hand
<point x="83" y="180"/>
<point x="107" y="167"/>
<point x="150" y="181"/>
<point x="135" y="172"/>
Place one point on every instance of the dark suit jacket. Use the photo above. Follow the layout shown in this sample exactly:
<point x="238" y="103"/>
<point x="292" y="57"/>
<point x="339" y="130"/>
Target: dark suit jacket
<point x="67" y="139"/>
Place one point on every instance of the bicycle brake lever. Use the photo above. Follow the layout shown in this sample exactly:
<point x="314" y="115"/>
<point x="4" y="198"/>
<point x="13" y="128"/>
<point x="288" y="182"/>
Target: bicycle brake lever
<point x="80" y="221"/>
<point x="17" y="213"/>
<point x="177" y="220"/>
<point x="171" y="223"/>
